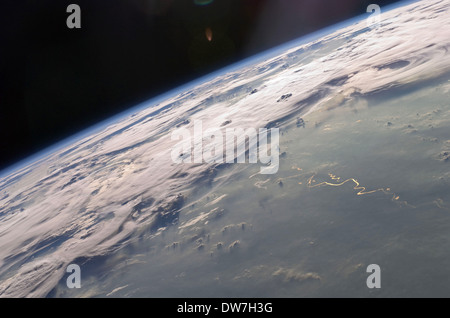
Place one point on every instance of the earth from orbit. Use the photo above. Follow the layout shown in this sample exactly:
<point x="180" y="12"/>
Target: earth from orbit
<point x="363" y="115"/>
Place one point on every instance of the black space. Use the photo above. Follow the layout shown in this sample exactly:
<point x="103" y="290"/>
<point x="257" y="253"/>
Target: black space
<point x="55" y="81"/>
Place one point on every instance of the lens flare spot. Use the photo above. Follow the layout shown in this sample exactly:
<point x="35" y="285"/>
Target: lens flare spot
<point x="209" y="34"/>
